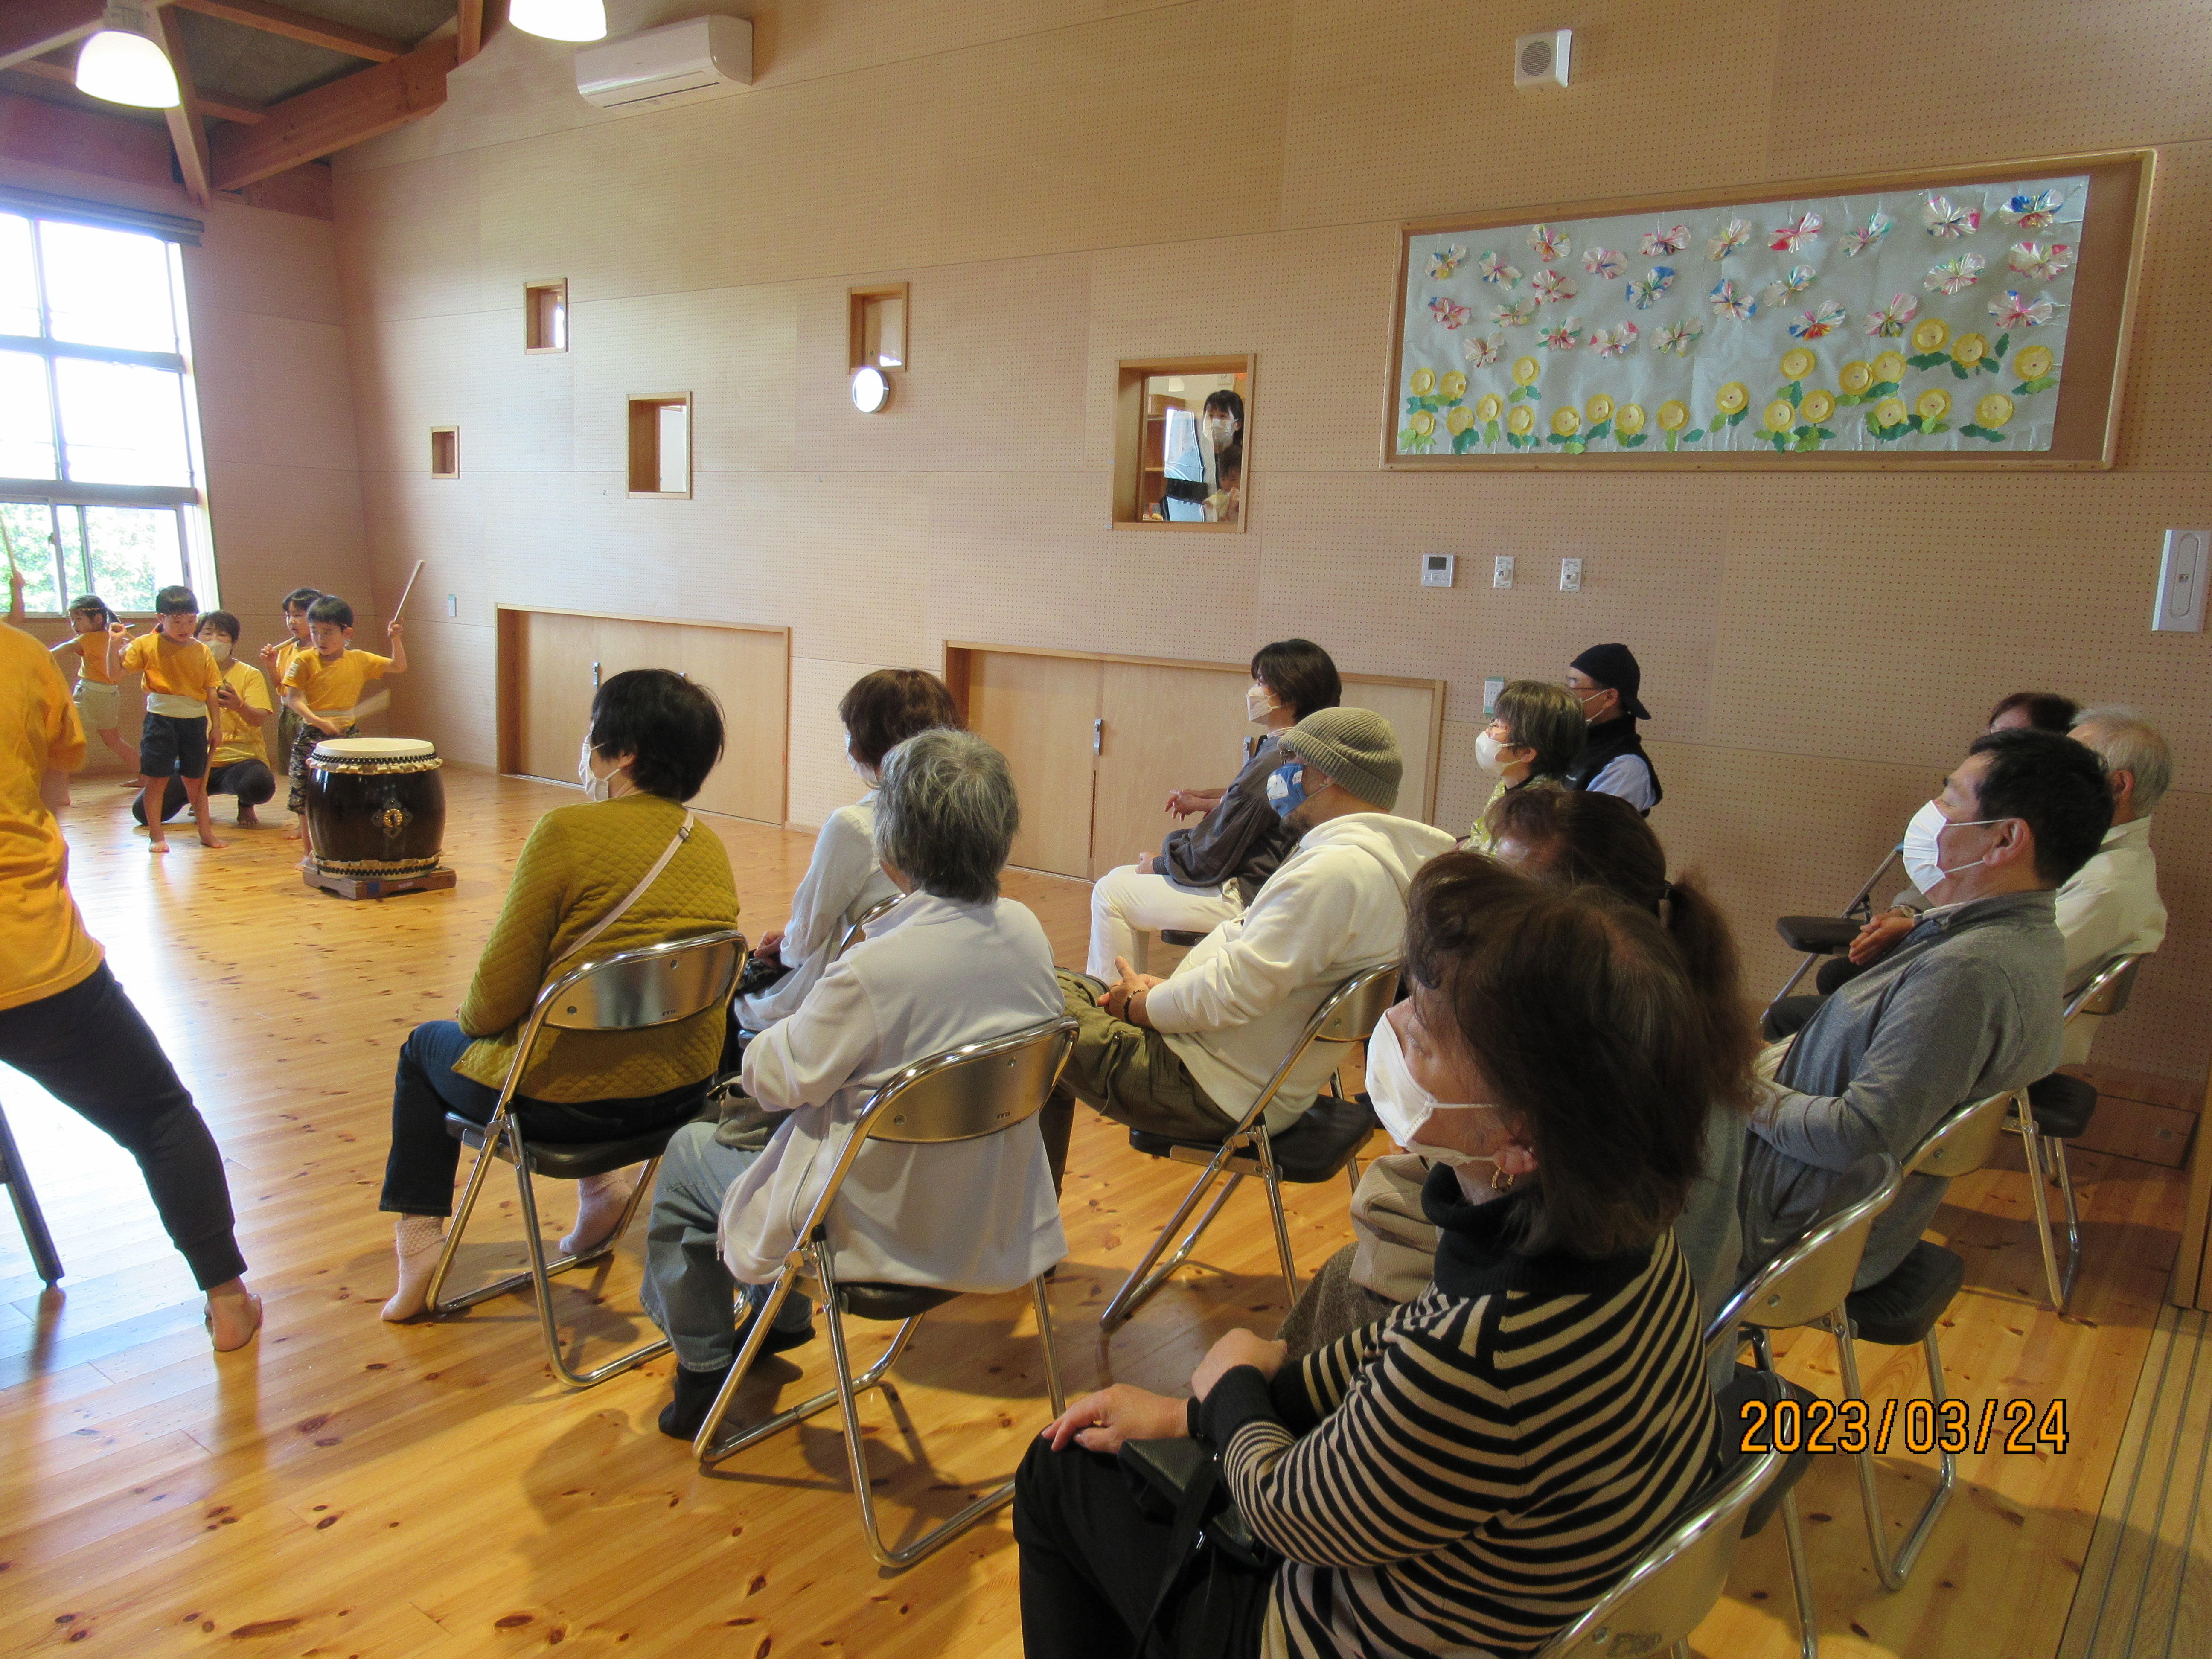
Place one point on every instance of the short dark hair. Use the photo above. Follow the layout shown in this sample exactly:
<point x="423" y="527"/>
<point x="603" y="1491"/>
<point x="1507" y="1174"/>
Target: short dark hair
<point x="88" y="604"/>
<point x="175" y="601"/>
<point x="1576" y="1008"/>
<point x="2046" y="710"/>
<point x="330" y="609"/>
<point x="673" y="727"/>
<point x="1300" y="674"/>
<point x="2056" y="787"/>
<point x="223" y="620"/>
<point x="301" y="598"/>
<point x="882" y="710"/>
<point x="947" y="814"/>
<point x="1230" y="459"/>
<point x="1545" y="716"/>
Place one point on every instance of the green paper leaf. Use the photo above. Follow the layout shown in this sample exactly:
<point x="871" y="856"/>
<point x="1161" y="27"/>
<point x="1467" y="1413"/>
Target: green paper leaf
<point x="1693" y="435"/>
<point x="1634" y="439"/>
<point x="1880" y="390"/>
<point x="2029" y="388"/>
<point x="2003" y="341"/>
<point x="1958" y="370"/>
<point x="1603" y="429"/>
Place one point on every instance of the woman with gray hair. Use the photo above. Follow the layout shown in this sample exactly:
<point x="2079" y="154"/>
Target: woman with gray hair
<point x="952" y="963"/>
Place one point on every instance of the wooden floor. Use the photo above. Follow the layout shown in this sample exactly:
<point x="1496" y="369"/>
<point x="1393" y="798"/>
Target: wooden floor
<point x="349" y="1488"/>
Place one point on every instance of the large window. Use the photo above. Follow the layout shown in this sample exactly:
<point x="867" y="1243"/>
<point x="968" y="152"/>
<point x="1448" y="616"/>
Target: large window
<point x="99" y="484"/>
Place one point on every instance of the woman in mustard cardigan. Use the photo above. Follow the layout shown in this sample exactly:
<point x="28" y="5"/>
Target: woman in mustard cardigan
<point x="654" y="737"/>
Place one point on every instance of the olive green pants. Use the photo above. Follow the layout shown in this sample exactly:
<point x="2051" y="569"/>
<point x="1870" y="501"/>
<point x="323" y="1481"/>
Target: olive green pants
<point x="1128" y="1072"/>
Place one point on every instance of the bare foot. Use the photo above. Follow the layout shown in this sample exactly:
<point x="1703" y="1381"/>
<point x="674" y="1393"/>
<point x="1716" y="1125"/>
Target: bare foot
<point x="245" y="816"/>
<point x="293" y="834"/>
<point x="207" y="839"/>
<point x="134" y="784"/>
<point x="157" y="846"/>
<point x="232" y="1317"/>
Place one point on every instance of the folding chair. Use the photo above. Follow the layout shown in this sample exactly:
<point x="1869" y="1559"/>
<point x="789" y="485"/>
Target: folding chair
<point x="1678" y="1580"/>
<point x="1323" y="1144"/>
<point x="2057" y="1108"/>
<point x="979" y="1089"/>
<point x="44" y="1256"/>
<point x="854" y="931"/>
<point x="628" y="991"/>
<point x="1816" y="936"/>
<point x="1807" y="1284"/>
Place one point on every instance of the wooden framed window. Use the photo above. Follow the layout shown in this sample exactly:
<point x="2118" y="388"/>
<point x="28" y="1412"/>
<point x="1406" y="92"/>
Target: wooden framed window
<point x="878" y="326"/>
<point x="1181" y="428"/>
<point x="660" y="446"/>
<point x="545" y="315"/>
<point x="444" y="452"/>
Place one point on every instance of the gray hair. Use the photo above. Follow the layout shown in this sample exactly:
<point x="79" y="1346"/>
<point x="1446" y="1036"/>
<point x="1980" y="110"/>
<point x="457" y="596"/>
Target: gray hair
<point x="946" y="814"/>
<point x="2129" y="743"/>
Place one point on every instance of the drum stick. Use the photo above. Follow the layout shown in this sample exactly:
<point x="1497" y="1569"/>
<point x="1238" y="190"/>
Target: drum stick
<point x="410" y="588"/>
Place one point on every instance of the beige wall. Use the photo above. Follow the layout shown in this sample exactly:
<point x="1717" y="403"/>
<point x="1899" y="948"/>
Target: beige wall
<point x="1816" y="648"/>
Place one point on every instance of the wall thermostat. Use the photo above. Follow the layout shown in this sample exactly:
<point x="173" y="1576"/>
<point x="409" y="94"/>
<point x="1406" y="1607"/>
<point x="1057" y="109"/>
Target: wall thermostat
<point x="1437" y="570"/>
<point x="1540" y="60"/>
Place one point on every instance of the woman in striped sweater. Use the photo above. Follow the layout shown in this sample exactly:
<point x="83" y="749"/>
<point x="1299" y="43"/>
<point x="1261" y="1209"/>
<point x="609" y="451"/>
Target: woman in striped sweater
<point x="1470" y="1474"/>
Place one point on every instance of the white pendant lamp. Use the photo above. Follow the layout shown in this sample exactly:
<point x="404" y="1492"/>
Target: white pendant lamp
<point x="122" y="65"/>
<point x="560" y="20"/>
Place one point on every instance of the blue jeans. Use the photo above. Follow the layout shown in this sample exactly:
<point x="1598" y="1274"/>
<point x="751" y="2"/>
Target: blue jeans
<point x="687" y="1290"/>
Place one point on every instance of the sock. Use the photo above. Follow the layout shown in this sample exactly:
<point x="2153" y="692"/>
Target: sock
<point x="695" y="1397"/>
<point x="600" y="1201"/>
<point x="416" y="1240"/>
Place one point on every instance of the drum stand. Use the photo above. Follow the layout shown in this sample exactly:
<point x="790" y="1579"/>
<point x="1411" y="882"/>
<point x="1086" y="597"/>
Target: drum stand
<point x="378" y="887"/>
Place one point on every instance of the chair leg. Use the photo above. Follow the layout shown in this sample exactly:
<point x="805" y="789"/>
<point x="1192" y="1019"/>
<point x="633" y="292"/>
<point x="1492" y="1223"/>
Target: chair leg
<point x="44" y="1256"/>
<point x="1793" y="1531"/>
<point x="1144" y="1279"/>
<point x="1893" y="1569"/>
<point x="2032" y="1145"/>
<point x="1273" y="1179"/>
<point x="494" y="1133"/>
<point x="541" y="1277"/>
<point x="1041" y="1290"/>
<point x="2072" y="1221"/>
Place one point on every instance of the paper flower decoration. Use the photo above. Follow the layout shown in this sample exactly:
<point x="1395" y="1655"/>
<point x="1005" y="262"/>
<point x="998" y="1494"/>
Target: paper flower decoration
<point x="1932" y="404"/>
<point x="2038" y="262"/>
<point x="1970" y="349"/>
<point x="1444" y="261"/>
<point x="1797" y="363"/>
<point x="1525" y="370"/>
<point x="1993" y="410"/>
<point x="1564" y="337"/>
<point x="1955" y="276"/>
<point x="1487" y="405"/>
<point x="1928" y="334"/>
<point x="1422" y="424"/>
<point x="1614" y="342"/>
<point x="1481" y="350"/>
<point x="1887" y="322"/>
<point x="1493" y="268"/>
<point x="1817" y="406"/>
<point x="2033" y="213"/>
<point x="1657" y="243"/>
<point x="1552" y="287"/>
<point x="1628" y="420"/>
<point x="1677" y="337"/>
<point x="1521" y="422"/>
<point x="1424" y="382"/>
<point x="1858" y="242"/>
<point x="1644" y="289"/>
<point x="1732" y="398"/>
<point x="1792" y="284"/>
<point x="1515" y="313"/>
<point x="1728" y="300"/>
<point x="2013" y="311"/>
<point x="1734" y="236"/>
<point x="1566" y="421"/>
<point x="1549" y="244"/>
<point x="1604" y="262"/>
<point x="1599" y="409"/>
<point x="1779" y="415"/>
<point x="1459" y="421"/>
<point x="1855" y="377"/>
<point x="1792" y="238"/>
<point x="1453" y="385"/>
<point x="1947" y="222"/>
<point x="1673" y="415"/>
<point x="1823" y="319"/>
<point x="1889" y="366"/>
<point x="2032" y="362"/>
<point x="1449" y="312"/>
<point x="1890" y="411"/>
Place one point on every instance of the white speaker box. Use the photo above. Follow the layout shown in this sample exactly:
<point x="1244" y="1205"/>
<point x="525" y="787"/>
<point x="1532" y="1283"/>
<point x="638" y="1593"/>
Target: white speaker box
<point x="1540" y="60"/>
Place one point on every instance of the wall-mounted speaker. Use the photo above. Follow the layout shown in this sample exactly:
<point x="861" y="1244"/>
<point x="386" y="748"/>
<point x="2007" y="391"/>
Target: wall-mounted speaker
<point x="1540" y="60"/>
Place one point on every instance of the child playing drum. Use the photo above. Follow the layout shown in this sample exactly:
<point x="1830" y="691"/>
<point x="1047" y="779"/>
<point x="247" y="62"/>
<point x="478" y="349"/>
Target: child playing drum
<point x="322" y="686"/>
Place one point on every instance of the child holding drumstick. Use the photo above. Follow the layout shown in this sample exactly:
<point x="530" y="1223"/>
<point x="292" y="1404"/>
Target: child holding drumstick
<point x="323" y="687"/>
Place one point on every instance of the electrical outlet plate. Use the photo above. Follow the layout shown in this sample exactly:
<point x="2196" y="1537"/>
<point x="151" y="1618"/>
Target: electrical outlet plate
<point x="1489" y="691"/>
<point x="1570" y="575"/>
<point x="1501" y="571"/>
<point x="2182" y="572"/>
<point x="1438" y="570"/>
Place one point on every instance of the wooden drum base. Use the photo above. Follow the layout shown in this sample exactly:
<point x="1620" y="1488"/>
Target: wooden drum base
<point x="378" y="887"/>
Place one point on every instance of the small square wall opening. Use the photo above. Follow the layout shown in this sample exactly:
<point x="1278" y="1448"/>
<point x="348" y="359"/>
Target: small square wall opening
<point x="444" y="452"/>
<point x="545" y="315"/>
<point x="660" y="446"/>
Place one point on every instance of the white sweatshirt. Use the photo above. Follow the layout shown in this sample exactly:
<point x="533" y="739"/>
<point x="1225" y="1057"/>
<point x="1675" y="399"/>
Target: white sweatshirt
<point x="1237" y="1003"/>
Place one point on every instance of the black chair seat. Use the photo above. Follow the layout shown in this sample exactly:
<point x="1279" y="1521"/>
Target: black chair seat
<point x="1179" y="936"/>
<point x="2062" y="1105"/>
<point x="1749" y="1385"/>
<point x="571" y="1160"/>
<point x="1314" y="1149"/>
<point x="890" y="1302"/>
<point x="1817" y="935"/>
<point x="1903" y="1308"/>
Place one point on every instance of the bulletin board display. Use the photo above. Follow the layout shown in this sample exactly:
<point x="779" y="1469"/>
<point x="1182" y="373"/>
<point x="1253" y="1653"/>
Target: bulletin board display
<point x="1976" y="317"/>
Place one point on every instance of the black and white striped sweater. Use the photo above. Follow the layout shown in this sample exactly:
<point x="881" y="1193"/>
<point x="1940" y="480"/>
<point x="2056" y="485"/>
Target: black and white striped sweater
<point x="1475" y="1471"/>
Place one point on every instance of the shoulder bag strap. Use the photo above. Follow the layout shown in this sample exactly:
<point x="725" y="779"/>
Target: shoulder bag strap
<point x="683" y="834"/>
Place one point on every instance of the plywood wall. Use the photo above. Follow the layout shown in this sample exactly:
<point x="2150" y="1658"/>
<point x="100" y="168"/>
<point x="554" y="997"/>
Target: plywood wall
<point x="1817" y="649"/>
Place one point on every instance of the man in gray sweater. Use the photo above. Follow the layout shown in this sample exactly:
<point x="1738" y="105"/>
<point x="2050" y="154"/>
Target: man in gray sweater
<point x="1966" y="1005"/>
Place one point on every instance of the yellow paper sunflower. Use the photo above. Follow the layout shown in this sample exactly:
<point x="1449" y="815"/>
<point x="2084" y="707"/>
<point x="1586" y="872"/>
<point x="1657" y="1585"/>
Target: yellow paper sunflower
<point x="1628" y="419"/>
<point x="1453" y="385"/>
<point x="1994" y="410"/>
<point x="1566" y="421"/>
<point x="1797" y="363"/>
<point x="1817" y="406"/>
<point x="1599" y="409"/>
<point x="1856" y="377"/>
<point x="1734" y="396"/>
<point x="1969" y="350"/>
<point x="1889" y="366"/>
<point x="1778" y="416"/>
<point x="1521" y="422"/>
<point x="1487" y="405"/>
<point x="1932" y="404"/>
<point x="2033" y="363"/>
<point x="1525" y="370"/>
<point x="1423" y="423"/>
<point x="1929" y="333"/>
<point x="1423" y="382"/>
<point x="1890" y="411"/>
<point x="1459" y="420"/>
<point x="1673" y="415"/>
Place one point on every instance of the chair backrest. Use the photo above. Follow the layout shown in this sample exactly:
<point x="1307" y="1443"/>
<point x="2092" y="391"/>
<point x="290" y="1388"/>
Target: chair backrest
<point x="1964" y="1141"/>
<point x="2107" y="991"/>
<point x="977" y="1088"/>
<point x="858" y="931"/>
<point x="1810" y="1279"/>
<point x="1348" y="1014"/>
<point x="652" y="985"/>
<point x="1679" y="1579"/>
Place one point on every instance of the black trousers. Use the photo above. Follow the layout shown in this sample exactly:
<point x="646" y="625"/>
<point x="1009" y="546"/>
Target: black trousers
<point x="90" y="1050"/>
<point x="251" y="781"/>
<point x="1091" y="1566"/>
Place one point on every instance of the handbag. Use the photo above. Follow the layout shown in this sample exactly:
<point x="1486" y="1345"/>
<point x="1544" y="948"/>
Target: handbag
<point x="1181" y="1480"/>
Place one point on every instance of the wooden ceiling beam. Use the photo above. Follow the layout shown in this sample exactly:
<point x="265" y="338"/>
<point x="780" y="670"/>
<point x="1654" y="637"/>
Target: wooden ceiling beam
<point x="64" y="69"/>
<point x="187" y="131"/>
<point x="330" y="118"/>
<point x="298" y="26"/>
<point x="469" y="27"/>
<point x="30" y="28"/>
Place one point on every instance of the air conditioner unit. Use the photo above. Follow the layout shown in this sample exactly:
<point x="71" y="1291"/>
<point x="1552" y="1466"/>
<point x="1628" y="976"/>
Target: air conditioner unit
<point x="682" y="62"/>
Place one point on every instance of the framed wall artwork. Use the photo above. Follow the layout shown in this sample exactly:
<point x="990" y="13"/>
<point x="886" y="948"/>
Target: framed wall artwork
<point x="1970" y="317"/>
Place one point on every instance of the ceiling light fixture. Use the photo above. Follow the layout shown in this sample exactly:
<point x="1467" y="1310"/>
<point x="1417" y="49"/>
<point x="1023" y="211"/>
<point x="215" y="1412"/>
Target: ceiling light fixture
<point x="560" y="20"/>
<point x="123" y="65"/>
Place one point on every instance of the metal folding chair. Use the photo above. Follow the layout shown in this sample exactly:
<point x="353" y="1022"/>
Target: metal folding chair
<point x="1817" y="937"/>
<point x="44" y="1256"/>
<point x="979" y="1089"/>
<point x="1323" y="1143"/>
<point x="628" y="991"/>
<point x="854" y="931"/>
<point x="1678" y="1580"/>
<point x="2057" y="1108"/>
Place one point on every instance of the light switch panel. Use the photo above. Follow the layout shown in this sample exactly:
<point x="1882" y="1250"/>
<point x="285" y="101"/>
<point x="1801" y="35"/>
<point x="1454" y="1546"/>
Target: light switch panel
<point x="2179" y="607"/>
<point x="1489" y="691"/>
<point x="1501" y="571"/>
<point x="1570" y="575"/>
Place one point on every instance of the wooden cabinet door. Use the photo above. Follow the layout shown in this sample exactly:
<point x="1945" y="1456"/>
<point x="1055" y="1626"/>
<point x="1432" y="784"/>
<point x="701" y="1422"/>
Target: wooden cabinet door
<point x="1412" y="712"/>
<point x="1038" y="712"/>
<point x="552" y="692"/>
<point x="748" y="671"/>
<point x="1166" y="729"/>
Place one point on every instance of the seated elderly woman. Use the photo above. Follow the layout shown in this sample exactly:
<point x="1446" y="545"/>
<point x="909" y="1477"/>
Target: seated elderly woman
<point x="844" y="880"/>
<point x="1535" y="735"/>
<point x="1418" y="1478"/>
<point x="654" y="738"/>
<point x="952" y="963"/>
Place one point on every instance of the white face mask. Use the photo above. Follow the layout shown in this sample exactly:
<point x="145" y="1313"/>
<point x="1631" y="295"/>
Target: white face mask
<point x="1259" y="703"/>
<point x="220" y="646"/>
<point x="595" y="786"/>
<point x="1924" y="851"/>
<point x="1486" y="750"/>
<point x="866" y="774"/>
<point x="1403" y="1105"/>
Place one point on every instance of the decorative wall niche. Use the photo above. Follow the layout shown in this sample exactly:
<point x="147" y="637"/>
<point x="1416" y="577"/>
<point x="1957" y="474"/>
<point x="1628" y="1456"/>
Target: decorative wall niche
<point x="545" y="315"/>
<point x="660" y="446"/>
<point x="1181" y="433"/>
<point x="444" y="452"/>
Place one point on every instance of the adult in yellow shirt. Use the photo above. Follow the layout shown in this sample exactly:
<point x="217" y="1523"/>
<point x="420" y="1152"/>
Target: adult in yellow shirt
<point x="64" y="1022"/>
<point x="323" y="687"/>
<point x="181" y="712"/>
<point x="240" y="762"/>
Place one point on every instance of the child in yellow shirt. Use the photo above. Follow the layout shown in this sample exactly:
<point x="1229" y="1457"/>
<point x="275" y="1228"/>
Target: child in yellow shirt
<point x="238" y="765"/>
<point x="276" y="659"/>
<point x="182" y="679"/>
<point x="323" y="685"/>
<point x="97" y="643"/>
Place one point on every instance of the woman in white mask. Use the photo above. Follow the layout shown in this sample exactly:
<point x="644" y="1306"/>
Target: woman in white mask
<point x="1532" y="739"/>
<point x="1204" y="875"/>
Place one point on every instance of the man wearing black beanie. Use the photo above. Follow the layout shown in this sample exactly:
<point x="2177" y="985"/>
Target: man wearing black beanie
<point x="1604" y="680"/>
